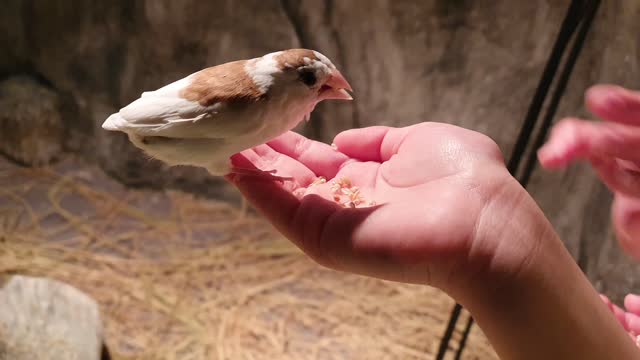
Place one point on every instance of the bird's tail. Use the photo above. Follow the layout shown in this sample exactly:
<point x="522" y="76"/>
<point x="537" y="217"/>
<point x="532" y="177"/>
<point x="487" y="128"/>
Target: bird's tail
<point x="115" y="122"/>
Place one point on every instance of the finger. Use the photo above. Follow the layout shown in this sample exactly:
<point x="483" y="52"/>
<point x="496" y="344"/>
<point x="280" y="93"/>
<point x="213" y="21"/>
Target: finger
<point x="615" y="310"/>
<point x="289" y="166"/>
<point x="606" y="301"/>
<point x="633" y="322"/>
<point x="573" y="139"/>
<point x="266" y="159"/>
<point x="617" y="177"/>
<point x="632" y="304"/>
<point x="621" y="315"/>
<point x="276" y="203"/>
<point x="302" y="220"/>
<point x="614" y="103"/>
<point x="626" y="221"/>
<point x="363" y="144"/>
<point x="320" y="158"/>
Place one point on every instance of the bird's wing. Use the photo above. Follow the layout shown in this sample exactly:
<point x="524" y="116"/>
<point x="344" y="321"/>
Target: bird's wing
<point x="208" y="103"/>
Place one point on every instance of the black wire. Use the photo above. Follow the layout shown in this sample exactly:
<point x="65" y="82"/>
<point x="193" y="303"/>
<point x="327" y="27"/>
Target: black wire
<point x="444" y="342"/>
<point x="592" y="9"/>
<point x="568" y="27"/>
<point x="572" y="19"/>
<point x="465" y="336"/>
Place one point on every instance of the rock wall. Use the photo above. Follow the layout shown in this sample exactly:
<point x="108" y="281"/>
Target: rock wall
<point x="472" y="63"/>
<point x="469" y="63"/>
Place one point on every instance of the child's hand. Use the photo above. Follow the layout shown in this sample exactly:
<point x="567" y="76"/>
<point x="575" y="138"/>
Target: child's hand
<point x="446" y="210"/>
<point x="629" y="317"/>
<point x="613" y="149"/>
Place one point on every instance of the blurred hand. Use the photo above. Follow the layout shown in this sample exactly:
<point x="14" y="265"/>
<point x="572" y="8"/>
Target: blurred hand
<point x="613" y="149"/>
<point x="629" y="317"/>
<point x="447" y="211"/>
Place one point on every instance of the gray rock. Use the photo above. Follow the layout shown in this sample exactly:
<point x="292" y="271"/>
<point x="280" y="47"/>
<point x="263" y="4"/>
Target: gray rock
<point x="31" y="126"/>
<point x="472" y="63"/>
<point x="42" y="319"/>
<point x="105" y="53"/>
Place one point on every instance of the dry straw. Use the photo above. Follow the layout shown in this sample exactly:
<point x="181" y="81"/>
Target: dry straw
<point x="179" y="277"/>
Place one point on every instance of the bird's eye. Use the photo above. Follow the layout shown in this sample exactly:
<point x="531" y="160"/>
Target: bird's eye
<point x="308" y="77"/>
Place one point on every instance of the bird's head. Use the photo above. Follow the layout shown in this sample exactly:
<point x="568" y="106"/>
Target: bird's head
<point x="301" y="74"/>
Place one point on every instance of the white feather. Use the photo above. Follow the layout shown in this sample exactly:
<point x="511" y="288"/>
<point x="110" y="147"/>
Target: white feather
<point x="163" y="113"/>
<point x="323" y="59"/>
<point x="262" y="69"/>
<point x="115" y="122"/>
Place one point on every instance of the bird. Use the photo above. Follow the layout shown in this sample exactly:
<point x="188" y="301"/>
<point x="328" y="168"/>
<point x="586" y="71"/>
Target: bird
<point x="207" y="117"/>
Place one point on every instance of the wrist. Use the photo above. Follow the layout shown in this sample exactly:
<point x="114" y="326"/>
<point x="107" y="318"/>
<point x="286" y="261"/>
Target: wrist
<point x="509" y="234"/>
<point x="532" y="300"/>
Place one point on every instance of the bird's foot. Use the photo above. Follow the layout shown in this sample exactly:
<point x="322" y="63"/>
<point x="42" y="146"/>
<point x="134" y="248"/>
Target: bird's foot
<point x="264" y="174"/>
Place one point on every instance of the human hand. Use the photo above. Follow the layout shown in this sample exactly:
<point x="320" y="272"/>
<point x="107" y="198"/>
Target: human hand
<point x="444" y="203"/>
<point x="613" y="149"/>
<point x="447" y="214"/>
<point x="629" y="317"/>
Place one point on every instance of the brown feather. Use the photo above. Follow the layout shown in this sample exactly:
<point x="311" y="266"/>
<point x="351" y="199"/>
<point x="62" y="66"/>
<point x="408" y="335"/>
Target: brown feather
<point x="294" y="57"/>
<point x="227" y="83"/>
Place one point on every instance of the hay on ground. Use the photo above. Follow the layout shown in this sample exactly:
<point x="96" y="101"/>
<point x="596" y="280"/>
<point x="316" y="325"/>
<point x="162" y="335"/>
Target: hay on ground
<point x="179" y="277"/>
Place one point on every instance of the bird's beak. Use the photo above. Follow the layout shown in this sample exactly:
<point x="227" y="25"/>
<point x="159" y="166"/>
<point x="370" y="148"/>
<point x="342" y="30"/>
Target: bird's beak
<point x="336" y="88"/>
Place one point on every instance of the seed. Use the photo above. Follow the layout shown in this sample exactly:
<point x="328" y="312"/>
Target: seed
<point x="346" y="182"/>
<point x="349" y="204"/>
<point x="319" y="180"/>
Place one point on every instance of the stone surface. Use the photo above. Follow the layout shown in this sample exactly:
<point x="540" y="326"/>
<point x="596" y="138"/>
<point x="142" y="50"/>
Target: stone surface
<point x="471" y="63"/>
<point x="45" y="319"/>
<point x="31" y="125"/>
<point x="105" y="53"/>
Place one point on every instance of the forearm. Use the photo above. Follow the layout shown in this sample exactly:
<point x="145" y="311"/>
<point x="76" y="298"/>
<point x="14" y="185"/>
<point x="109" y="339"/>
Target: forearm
<point x="548" y="310"/>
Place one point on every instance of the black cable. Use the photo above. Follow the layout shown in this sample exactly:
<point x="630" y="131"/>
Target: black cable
<point x="592" y="9"/>
<point x="444" y="342"/>
<point x="573" y="18"/>
<point x="567" y="29"/>
<point x="465" y="336"/>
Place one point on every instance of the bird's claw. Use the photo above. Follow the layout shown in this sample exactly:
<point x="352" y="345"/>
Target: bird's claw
<point x="264" y="174"/>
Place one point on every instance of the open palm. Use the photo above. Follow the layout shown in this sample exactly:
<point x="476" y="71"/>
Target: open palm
<point x="433" y="186"/>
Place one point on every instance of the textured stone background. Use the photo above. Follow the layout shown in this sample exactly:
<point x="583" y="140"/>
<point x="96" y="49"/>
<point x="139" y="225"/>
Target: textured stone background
<point x="470" y="63"/>
<point x="408" y="61"/>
